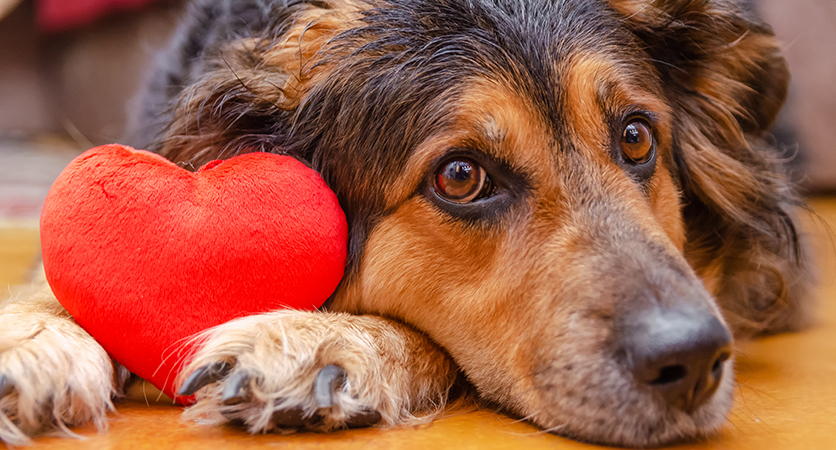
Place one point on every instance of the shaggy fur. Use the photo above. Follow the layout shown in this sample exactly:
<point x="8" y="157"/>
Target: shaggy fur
<point x="528" y="291"/>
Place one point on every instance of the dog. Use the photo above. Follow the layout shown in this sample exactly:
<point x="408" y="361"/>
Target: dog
<point x="567" y="209"/>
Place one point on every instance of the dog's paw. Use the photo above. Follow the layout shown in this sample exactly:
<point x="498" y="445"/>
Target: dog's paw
<point x="288" y="371"/>
<point x="53" y="375"/>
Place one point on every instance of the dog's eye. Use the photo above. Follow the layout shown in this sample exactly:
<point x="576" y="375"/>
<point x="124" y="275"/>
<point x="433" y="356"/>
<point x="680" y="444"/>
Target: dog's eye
<point x="637" y="141"/>
<point x="461" y="180"/>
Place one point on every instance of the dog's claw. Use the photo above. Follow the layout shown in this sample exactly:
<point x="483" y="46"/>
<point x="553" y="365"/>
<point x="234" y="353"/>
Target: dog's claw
<point x="235" y="390"/>
<point x="5" y="386"/>
<point x="328" y="380"/>
<point x="203" y="376"/>
<point x="365" y="418"/>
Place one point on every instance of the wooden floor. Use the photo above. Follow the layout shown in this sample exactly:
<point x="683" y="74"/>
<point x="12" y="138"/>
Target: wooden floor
<point x="786" y="393"/>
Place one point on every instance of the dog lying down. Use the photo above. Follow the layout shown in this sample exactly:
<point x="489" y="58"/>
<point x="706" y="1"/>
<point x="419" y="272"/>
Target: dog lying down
<point x="571" y="206"/>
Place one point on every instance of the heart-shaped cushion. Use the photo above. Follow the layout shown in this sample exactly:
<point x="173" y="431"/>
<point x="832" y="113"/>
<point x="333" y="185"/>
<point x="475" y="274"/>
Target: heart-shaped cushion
<point x="145" y="254"/>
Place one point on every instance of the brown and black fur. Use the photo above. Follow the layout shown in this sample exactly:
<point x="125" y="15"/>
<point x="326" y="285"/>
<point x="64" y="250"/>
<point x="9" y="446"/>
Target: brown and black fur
<point x="361" y="103"/>
<point x="526" y="293"/>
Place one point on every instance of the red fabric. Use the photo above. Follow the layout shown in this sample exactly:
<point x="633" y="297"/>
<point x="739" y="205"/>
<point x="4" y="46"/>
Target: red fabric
<point x="145" y="254"/>
<point x="60" y="15"/>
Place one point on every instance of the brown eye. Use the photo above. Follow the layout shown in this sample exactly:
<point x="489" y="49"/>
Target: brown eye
<point x="461" y="180"/>
<point x="637" y="142"/>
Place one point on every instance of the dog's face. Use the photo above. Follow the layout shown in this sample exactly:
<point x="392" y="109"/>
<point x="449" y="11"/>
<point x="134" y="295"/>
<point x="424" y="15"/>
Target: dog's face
<point x="531" y="240"/>
<point x="537" y="224"/>
<point x="517" y="177"/>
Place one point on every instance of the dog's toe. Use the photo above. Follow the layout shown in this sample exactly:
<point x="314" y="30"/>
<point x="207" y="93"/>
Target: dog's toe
<point x="204" y="376"/>
<point x="367" y="417"/>
<point x="294" y="418"/>
<point x="331" y="380"/>
<point x="244" y="399"/>
<point x="328" y="380"/>
<point x="236" y="388"/>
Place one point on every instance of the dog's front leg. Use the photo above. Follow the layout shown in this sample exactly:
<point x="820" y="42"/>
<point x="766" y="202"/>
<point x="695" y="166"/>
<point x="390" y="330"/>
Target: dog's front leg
<point x="52" y="373"/>
<point x="293" y="370"/>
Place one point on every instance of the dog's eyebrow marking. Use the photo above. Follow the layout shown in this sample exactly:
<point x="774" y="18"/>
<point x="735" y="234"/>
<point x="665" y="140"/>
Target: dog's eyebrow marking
<point x="588" y="78"/>
<point x="488" y="118"/>
<point x="600" y="89"/>
<point x="492" y="131"/>
<point x="606" y="90"/>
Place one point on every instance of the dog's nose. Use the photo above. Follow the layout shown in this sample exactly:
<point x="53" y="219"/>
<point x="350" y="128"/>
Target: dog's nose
<point x="679" y="353"/>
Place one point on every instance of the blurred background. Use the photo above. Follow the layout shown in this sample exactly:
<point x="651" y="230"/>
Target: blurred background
<point x="70" y="70"/>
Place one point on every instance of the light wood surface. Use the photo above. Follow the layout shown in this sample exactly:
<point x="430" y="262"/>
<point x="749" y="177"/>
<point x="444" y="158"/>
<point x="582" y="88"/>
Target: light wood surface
<point x="786" y="391"/>
<point x="18" y="253"/>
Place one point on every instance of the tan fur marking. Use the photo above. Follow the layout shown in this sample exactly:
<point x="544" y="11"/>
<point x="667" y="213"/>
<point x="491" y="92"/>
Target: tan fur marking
<point x="594" y="79"/>
<point x="664" y="198"/>
<point x="583" y="87"/>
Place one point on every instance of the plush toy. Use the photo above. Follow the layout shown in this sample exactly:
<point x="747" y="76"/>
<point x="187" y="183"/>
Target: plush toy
<point x="144" y="254"/>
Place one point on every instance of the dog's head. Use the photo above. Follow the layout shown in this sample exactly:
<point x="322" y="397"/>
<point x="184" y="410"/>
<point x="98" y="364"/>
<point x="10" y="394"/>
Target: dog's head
<point x="543" y="187"/>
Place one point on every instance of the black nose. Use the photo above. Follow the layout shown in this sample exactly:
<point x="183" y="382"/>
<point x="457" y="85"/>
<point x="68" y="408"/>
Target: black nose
<point x="678" y="352"/>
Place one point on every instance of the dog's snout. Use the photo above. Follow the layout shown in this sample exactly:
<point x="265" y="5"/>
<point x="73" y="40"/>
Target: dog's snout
<point x="678" y="353"/>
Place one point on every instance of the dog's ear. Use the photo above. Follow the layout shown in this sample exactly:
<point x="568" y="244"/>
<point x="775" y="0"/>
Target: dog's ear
<point x="726" y="81"/>
<point x="241" y="95"/>
<point x="714" y="49"/>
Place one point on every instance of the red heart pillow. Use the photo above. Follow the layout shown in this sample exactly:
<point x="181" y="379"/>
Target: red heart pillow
<point x="145" y="254"/>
